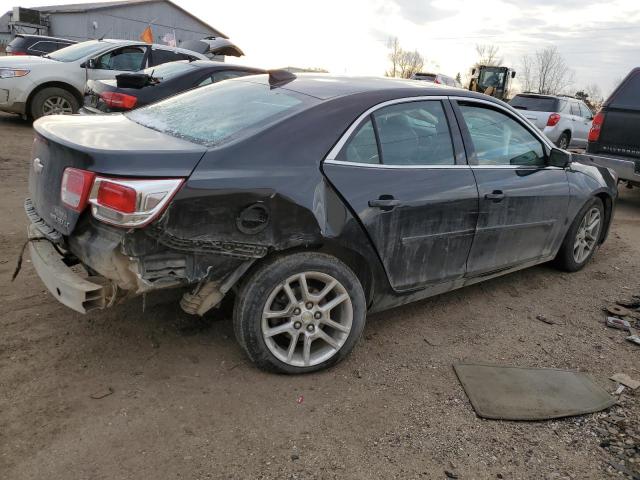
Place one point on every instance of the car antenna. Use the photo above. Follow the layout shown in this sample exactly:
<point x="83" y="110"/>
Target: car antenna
<point x="105" y="34"/>
<point x="280" y="76"/>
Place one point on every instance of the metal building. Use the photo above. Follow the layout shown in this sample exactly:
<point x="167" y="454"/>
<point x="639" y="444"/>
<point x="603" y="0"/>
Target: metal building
<point x="116" y="19"/>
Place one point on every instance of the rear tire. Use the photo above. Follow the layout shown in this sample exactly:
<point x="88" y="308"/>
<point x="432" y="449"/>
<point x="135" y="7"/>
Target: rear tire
<point x="563" y="141"/>
<point x="583" y="238"/>
<point x="53" y="101"/>
<point x="284" y="330"/>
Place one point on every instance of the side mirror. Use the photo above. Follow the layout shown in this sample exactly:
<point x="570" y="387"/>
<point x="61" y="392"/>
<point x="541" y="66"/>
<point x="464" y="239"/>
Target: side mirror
<point x="91" y="63"/>
<point x="473" y="71"/>
<point x="559" y="158"/>
<point x="513" y="74"/>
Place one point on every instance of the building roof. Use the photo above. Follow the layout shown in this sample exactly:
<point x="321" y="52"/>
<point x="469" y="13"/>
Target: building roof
<point x="86" y="7"/>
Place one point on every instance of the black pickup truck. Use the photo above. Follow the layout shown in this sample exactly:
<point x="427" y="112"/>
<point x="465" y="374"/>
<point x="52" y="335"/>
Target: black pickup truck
<point x="614" y="139"/>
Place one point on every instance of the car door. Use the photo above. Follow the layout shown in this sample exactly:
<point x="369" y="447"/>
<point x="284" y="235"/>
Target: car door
<point x="120" y="60"/>
<point x="578" y="133"/>
<point x="404" y="174"/>
<point x="523" y="201"/>
<point x="586" y="119"/>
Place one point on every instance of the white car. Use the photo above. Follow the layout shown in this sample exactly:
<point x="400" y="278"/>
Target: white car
<point x="565" y="121"/>
<point x="55" y="83"/>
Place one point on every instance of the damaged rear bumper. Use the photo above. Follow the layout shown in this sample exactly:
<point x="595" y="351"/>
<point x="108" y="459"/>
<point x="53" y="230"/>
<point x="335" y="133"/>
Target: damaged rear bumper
<point x="67" y="286"/>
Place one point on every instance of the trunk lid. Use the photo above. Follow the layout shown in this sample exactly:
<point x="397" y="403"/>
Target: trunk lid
<point x="110" y="145"/>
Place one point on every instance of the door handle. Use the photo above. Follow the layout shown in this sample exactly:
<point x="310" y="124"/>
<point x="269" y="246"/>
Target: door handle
<point x="385" y="202"/>
<point x="495" y="196"/>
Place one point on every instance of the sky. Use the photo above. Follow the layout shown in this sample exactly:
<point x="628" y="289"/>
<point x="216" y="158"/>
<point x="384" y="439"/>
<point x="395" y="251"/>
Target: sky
<point x="600" y="41"/>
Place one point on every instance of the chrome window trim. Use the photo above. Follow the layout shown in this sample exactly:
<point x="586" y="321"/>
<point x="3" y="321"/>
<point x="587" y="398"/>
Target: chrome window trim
<point x="333" y="153"/>
<point x="393" y="167"/>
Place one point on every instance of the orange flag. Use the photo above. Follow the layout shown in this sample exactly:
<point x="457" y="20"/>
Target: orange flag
<point x="147" y="35"/>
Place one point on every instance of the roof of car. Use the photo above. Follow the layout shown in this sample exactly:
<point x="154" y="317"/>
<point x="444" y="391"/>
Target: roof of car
<point x="323" y="86"/>
<point x="222" y="65"/>
<point x="44" y="37"/>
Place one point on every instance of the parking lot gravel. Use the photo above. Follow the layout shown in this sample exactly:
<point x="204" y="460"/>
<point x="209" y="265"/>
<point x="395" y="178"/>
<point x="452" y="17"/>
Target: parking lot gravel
<point x="131" y="394"/>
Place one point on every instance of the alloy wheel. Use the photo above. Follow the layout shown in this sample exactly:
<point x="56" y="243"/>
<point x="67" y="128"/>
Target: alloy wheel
<point x="587" y="235"/>
<point x="307" y="319"/>
<point x="56" y="106"/>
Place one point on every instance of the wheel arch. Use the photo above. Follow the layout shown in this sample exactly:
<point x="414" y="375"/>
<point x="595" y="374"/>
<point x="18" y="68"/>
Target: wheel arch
<point x="53" y="84"/>
<point x="351" y="258"/>
<point x="607" y="201"/>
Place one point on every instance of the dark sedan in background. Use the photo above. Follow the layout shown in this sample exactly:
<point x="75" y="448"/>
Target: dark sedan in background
<point x="36" y="45"/>
<point x="133" y="90"/>
<point x="311" y="199"/>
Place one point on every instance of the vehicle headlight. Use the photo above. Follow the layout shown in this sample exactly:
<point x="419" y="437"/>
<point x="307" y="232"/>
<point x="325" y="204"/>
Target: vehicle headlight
<point x="12" y="72"/>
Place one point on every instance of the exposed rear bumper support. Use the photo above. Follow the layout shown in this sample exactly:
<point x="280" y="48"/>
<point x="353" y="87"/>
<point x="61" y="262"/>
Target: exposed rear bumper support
<point x="626" y="168"/>
<point x="64" y="284"/>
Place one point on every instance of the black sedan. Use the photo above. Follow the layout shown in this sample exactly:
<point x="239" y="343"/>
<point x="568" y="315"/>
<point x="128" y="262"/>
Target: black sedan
<point x="133" y="90"/>
<point x="312" y="200"/>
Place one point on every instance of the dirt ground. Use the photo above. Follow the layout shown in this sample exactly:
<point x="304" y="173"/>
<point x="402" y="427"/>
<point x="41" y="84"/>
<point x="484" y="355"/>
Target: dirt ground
<point x="179" y="400"/>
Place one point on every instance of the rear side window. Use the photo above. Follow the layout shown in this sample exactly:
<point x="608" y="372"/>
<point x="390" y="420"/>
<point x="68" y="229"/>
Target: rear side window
<point x="44" y="47"/>
<point x="628" y="95"/>
<point x="414" y="133"/>
<point x="221" y="112"/>
<point x="535" y="104"/>
<point x="575" y="109"/>
<point x="362" y="147"/>
<point x="159" y="56"/>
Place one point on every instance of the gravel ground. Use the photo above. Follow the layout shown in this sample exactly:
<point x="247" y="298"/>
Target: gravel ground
<point x="123" y="394"/>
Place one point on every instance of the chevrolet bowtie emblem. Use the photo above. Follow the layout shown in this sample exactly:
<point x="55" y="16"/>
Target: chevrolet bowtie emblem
<point x="37" y="165"/>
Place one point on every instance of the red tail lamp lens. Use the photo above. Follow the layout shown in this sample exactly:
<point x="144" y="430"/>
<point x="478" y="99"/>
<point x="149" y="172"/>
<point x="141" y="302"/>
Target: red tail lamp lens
<point x="119" y="100"/>
<point x="596" y="127"/>
<point x="117" y="197"/>
<point x="554" y="118"/>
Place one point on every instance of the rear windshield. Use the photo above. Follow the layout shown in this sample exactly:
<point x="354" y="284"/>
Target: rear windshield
<point x="17" y="43"/>
<point x="628" y="95"/>
<point x="169" y="70"/>
<point x="221" y="112"/>
<point x="425" y="76"/>
<point x="79" y="50"/>
<point x="536" y="104"/>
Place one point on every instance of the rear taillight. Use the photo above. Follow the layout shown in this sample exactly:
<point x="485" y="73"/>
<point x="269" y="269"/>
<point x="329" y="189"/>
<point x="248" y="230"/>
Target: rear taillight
<point x="119" y="100"/>
<point x="75" y="188"/>
<point x="131" y="203"/>
<point x="596" y="127"/>
<point x="553" y="120"/>
<point x="125" y="203"/>
<point x="116" y="196"/>
<point x="17" y="53"/>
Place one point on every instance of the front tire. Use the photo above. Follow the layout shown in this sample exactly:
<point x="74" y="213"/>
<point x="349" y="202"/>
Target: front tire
<point x="53" y="101"/>
<point x="299" y="313"/>
<point x="583" y="237"/>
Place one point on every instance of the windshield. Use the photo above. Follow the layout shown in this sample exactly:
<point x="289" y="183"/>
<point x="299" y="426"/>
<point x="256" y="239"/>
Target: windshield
<point x="535" y="104"/>
<point x="490" y="77"/>
<point x="169" y="70"/>
<point x="221" y="112"/>
<point x="79" y="50"/>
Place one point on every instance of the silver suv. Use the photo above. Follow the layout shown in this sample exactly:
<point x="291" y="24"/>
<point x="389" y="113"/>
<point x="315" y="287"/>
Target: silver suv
<point x="565" y="121"/>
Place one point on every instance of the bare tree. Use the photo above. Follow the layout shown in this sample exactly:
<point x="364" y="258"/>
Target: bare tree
<point x="404" y="63"/>
<point x="595" y="96"/>
<point x="489" y="55"/>
<point x="546" y="72"/>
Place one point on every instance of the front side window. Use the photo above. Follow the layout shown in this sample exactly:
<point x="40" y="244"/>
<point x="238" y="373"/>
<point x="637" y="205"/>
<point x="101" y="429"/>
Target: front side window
<point x="221" y="112"/>
<point x="500" y="140"/>
<point x="125" y="59"/>
<point x="414" y="133"/>
<point x="585" y="112"/>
